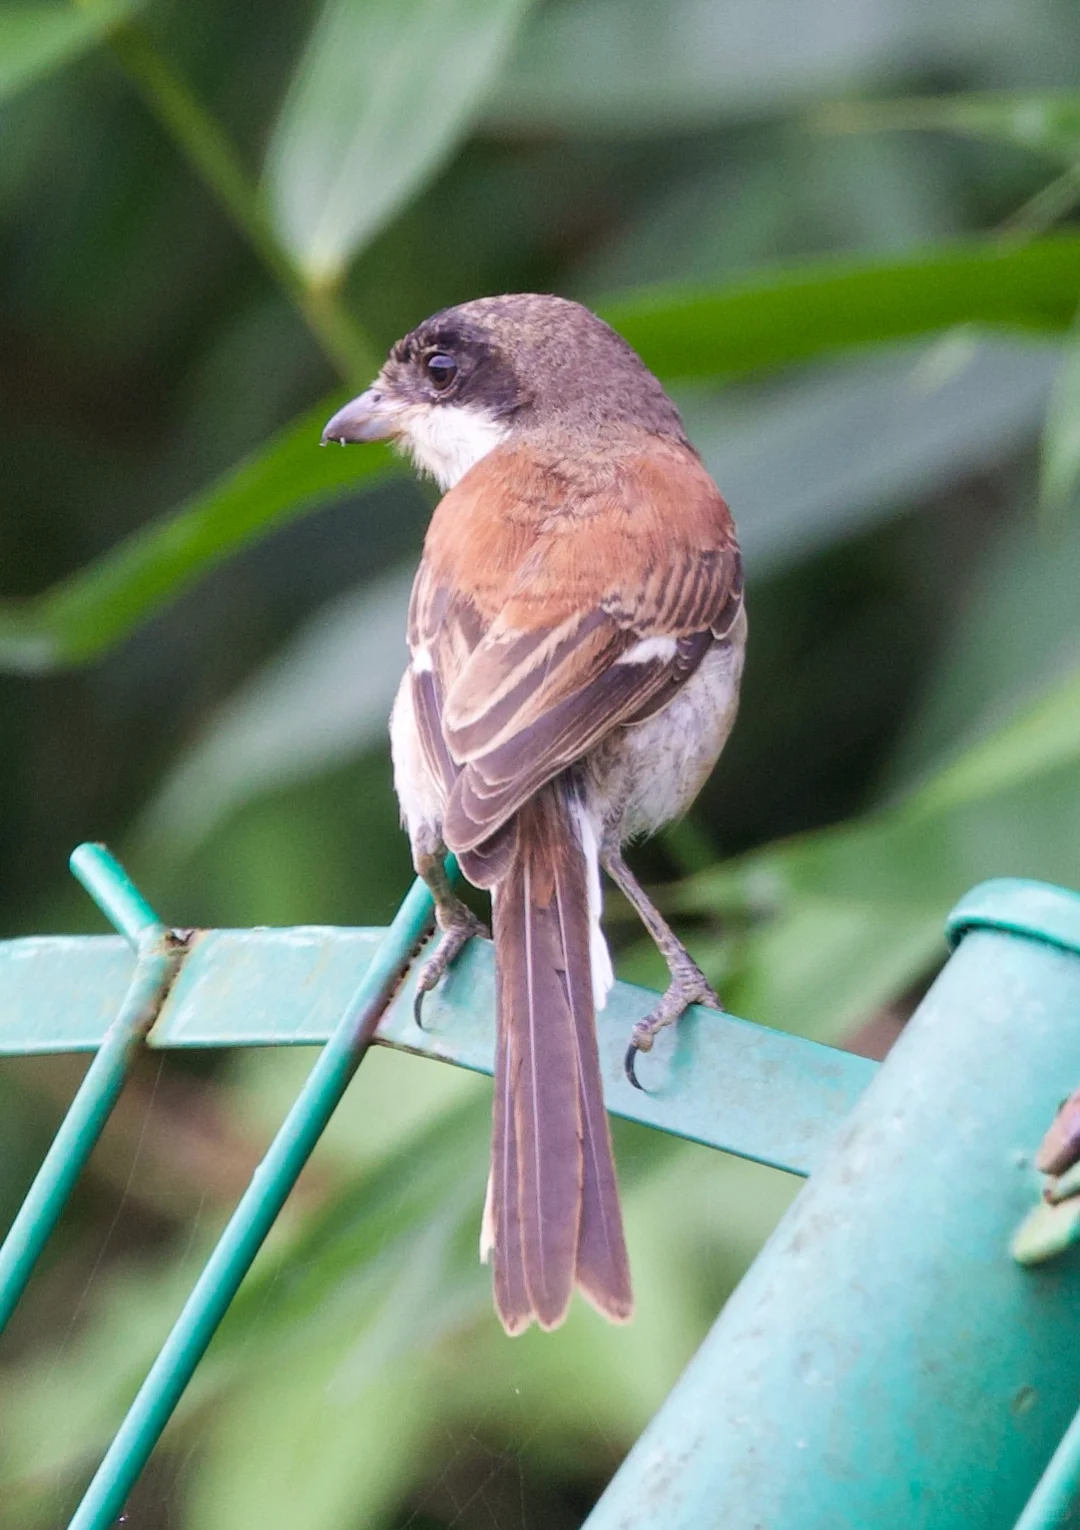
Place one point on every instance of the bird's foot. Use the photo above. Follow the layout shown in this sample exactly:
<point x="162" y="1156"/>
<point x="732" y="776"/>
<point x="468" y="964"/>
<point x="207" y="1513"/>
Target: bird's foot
<point x="688" y="986"/>
<point x="457" y="924"/>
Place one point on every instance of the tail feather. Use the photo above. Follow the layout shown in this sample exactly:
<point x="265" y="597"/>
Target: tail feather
<point x="554" y="1212"/>
<point x="603" y="1266"/>
<point x="502" y="1220"/>
<point x="540" y="1068"/>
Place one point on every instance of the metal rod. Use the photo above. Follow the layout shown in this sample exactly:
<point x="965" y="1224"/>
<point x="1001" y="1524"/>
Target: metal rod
<point x="1058" y="1489"/>
<point x="114" y="892"/>
<point x="252" y="1220"/>
<point x="158" y="960"/>
<point x="81" y="1127"/>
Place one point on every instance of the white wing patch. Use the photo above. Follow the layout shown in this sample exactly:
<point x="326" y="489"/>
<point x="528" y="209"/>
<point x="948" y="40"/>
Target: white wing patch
<point x="649" y="649"/>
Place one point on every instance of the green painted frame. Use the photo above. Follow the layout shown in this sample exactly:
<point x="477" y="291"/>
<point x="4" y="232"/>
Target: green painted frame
<point x="730" y="1084"/>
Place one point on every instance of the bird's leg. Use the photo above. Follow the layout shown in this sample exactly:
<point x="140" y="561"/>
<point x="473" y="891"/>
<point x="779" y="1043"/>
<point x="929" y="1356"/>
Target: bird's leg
<point x="456" y="921"/>
<point x="688" y="983"/>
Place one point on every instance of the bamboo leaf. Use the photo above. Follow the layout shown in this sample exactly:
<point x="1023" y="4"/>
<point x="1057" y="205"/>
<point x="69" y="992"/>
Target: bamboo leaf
<point x="634" y="67"/>
<point x="853" y="914"/>
<point x="1045" y="121"/>
<point x="311" y="707"/>
<point x="384" y="94"/>
<point x="1061" y="436"/>
<point x="782" y="317"/>
<point x="1039" y="739"/>
<point x="832" y="305"/>
<point x="99" y="605"/>
<point x="36" y="40"/>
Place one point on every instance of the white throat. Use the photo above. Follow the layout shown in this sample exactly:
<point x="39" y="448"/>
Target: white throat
<point x="446" y="440"/>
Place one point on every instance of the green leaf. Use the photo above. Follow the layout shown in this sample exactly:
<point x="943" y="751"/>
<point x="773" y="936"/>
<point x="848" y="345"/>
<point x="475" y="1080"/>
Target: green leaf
<point x="308" y="709"/>
<point x="327" y="1453"/>
<point x="1046" y="121"/>
<point x="831" y="305"/>
<point x="1016" y="632"/>
<point x="818" y="458"/>
<point x="36" y="40"/>
<point x="787" y="316"/>
<point x="384" y="94"/>
<point x="854" y="913"/>
<point x="633" y="67"/>
<point x="96" y="607"/>
<point x="1061" y="436"/>
<point x="367" y="1289"/>
<point x="827" y="964"/>
<point x="1041" y="738"/>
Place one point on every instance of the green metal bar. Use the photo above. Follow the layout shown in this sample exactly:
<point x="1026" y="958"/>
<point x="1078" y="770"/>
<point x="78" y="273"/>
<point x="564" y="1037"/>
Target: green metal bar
<point x="722" y="1081"/>
<point x="252" y="1220"/>
<point x="159" y="956"/>
<point x="115" y="893"/>
<point x="1058" y="1490"/>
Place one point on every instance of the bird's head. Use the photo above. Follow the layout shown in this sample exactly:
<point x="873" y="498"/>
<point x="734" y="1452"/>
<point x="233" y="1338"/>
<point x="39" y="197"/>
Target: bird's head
<point x="470" y="377"/>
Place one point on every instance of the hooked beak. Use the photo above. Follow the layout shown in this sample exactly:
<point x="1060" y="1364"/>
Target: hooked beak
<point x="370" y="417"/>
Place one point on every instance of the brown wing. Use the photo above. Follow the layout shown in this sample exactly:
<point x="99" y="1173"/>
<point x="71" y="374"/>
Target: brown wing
<point x="558" y="599"/>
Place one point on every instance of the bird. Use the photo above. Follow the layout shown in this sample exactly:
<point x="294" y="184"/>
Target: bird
<point x="576" y="635"/>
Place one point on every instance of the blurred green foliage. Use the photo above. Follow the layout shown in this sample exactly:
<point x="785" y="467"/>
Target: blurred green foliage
<point x="842" y="235"/>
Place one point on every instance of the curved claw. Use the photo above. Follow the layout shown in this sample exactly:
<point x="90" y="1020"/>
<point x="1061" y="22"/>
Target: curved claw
<point x="686" y="988"/>
<point x="426" y="982"/>
<point x="454" y="934"/>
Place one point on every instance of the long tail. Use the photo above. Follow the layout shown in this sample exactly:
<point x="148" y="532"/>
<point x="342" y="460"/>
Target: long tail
<point x="553" y="1217"/>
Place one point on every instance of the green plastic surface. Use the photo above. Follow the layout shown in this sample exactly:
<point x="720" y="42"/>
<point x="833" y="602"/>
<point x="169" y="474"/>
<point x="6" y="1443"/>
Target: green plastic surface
<point x="1019" y="907"/>
<point x="885" y="1362"/>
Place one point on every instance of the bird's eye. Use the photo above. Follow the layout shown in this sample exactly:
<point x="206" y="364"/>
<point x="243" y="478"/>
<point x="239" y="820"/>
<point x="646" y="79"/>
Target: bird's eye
<point x="441" y="370"/>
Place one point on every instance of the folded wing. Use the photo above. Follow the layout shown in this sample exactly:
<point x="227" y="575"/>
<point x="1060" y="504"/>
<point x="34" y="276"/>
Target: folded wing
<point x="558" y="601"/>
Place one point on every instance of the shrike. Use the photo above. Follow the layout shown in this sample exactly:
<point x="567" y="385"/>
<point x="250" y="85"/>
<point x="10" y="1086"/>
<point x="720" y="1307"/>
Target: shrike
<point x="576" y="635"/>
